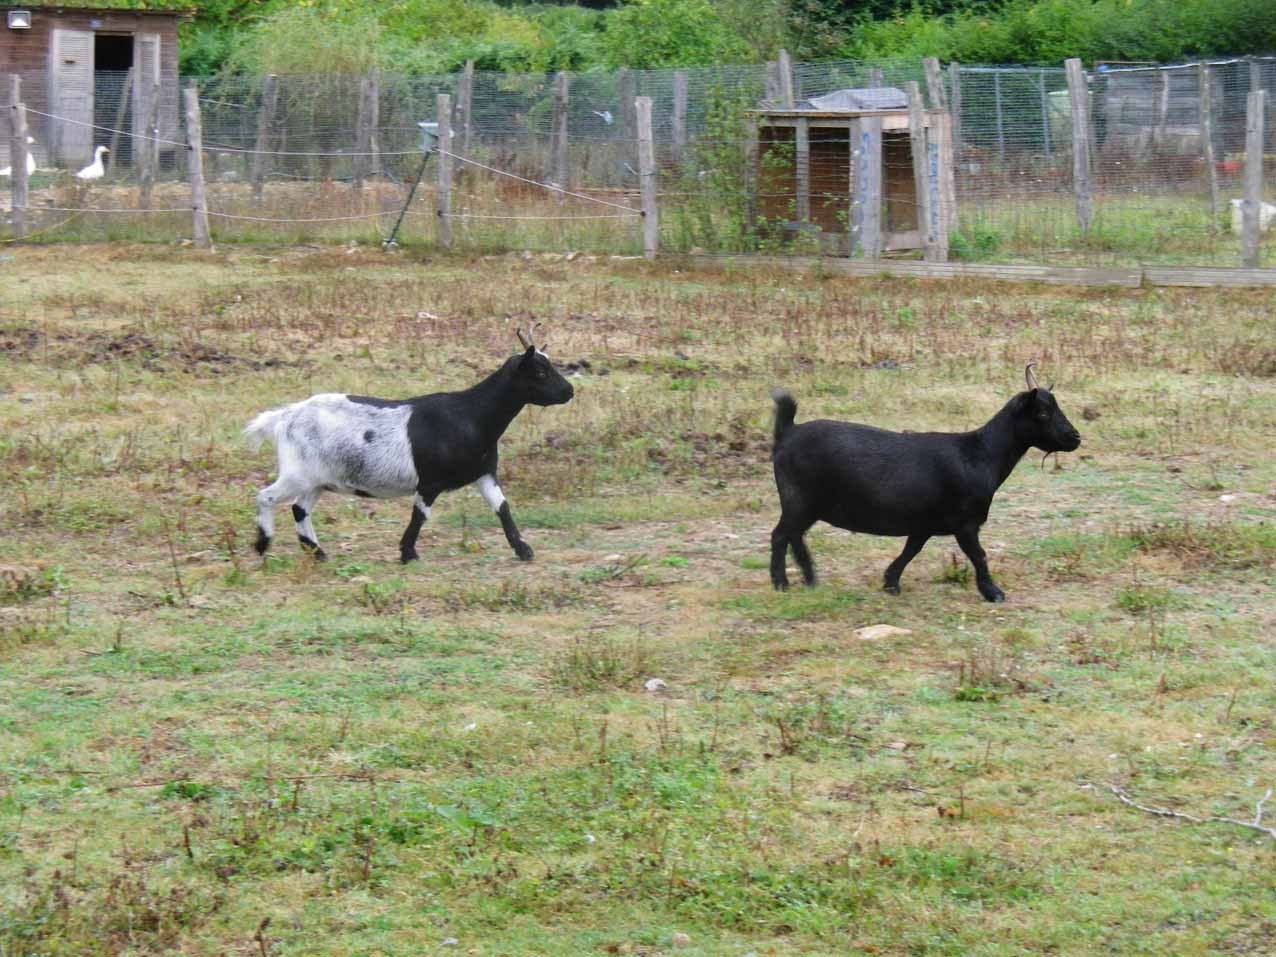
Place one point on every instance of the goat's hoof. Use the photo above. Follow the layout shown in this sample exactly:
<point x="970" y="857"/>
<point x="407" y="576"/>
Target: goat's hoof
<point x="993" y="594"/>
<point x="891" y="588"/>
<point x="318" y="554"/>
<point x="405" y="557"/>
<point x="262" y="545"/>
<point x="524" y="551"/>
<point x="781" y="586"/>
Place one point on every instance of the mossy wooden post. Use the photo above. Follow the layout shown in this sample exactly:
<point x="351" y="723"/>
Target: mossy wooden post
<point x="149" y="144"/>
<point x="443" y="207"/>
<point x="647" y="174"/>
<point x="788" y="96"/>
<point x="1206" y="87"/>
<point x="369" y="120"/>
<point x="1252" y="204"/>
<point x="559" y="172"/>
<point x="121" y="113"/>
<point x="866" y="163"/>
<point x="265" y="121"/>
<point x="944" y="185"/>
<point x="18" y="184"/>
<point x="465" y="106"/>
<point x="679" y="115"/>
<point x="935" y="92"/>
<point x="195" y="168"/>
<point x="1079" y="99"/>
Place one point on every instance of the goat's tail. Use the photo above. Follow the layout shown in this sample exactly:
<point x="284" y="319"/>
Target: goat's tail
<point x="785" y="410"/>
<point x="263" y="427"/>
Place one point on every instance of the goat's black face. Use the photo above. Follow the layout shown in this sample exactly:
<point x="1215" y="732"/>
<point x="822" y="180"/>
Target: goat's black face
<point x="540" y="382"/>
<point x="1044" y="425"/>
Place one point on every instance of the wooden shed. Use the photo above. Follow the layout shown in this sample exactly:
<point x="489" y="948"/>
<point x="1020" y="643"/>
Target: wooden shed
<point x="843" y="169"/>
<point x="93" y="68"/>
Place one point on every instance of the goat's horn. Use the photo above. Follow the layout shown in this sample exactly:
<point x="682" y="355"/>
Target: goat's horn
<point x="535" y="326"/>
<point x="527" y="343"/>
<point x="1031" y="377"/>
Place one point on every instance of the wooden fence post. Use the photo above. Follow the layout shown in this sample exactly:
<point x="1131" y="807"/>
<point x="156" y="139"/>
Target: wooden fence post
<point x="444" y="204"/>
<point x="940" y="137"/>
<point x="1206" y="87"/>
<point x="954" y="80"/>
<point x="195" y="166"/>
<point x="866" y="161"/>
<point x="935" y="91"/>
<point x="1079" y="97"/>
<point x="802" y="169"/>
<point x="788" y="96"/>
<point x="369" y="120"/>
<point x="558" y="166"/>
<point x="679" y="115"/>
<point x="752" y="178"/>
<point x="917" y="141"/>
<point x="647" y="173"/>
<point x="121" y="111"/>
<point x="1001" y="123"/>
<point x="150" y="147"/>
<point x="265" y="119"/>
<point x="18" y="183"/>
<point x="626" y="88"/>
<point x="465" y="106"/>
<point x="1252" y="204"/>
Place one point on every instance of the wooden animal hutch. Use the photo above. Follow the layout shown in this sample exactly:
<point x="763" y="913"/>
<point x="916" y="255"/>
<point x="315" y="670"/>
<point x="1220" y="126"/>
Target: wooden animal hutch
<point x="861" y="171"/>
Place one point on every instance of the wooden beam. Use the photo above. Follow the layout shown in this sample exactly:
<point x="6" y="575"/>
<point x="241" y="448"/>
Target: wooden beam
<point x="443" y="204"/>
<point x="1079" y="97"/>
<point x="679" y="115"/>
<point x="465" y="106"/>
<point x="1252" y="204"/>
<point x="935" y="92"/>
<point x="559" y="170"/>
<point x="369" y="120"/>
<point x="1054" y="275"/>
<point x="866" y="233"/>
<point x="18" y="184"/>
<point x="802" y="170"/>
<point x="195" y="169"/>
<point x="149" y="144"/>
<point x="921" y="169"/>
<point x="647" y="174"/>
<point x="265" y="123"/>
<point x="1206" y="87"/>
<point x="788" y="97"/>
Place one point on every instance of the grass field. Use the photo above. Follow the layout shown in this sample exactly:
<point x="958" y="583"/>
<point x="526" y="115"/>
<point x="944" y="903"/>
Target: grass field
<point x="203" y="753"/>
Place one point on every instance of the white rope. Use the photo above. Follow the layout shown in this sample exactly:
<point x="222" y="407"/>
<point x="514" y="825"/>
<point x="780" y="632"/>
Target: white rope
<point x="316" y="219"/>
<point x="217" y="147"/>
<point x="523" y="179"/>
<point x="537" y="218"/>
<point x="73" y="209"/>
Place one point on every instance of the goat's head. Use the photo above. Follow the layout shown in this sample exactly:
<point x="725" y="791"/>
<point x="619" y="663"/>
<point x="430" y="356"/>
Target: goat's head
<point x="538" y="382"/>
<point x="1040" y="421"/>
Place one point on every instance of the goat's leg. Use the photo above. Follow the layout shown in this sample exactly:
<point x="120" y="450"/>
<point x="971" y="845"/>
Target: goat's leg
<point x="896" y="568"/>
<point x="279" y="491"/>
<point x="495" y="498"/>
<point x="789" y="531"/>
<point x="803" y="555"/>
<point x="969" y="542"/>
<point x="420" y="515"/>
<point x="302" y="509"/>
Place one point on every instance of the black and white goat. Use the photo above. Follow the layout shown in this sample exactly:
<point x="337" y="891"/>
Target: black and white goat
<point x="917" y="485"/>
<point x="386" y="448"/>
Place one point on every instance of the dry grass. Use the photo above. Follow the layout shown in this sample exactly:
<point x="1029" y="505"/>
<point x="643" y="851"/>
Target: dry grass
<point x="378" y="758"/>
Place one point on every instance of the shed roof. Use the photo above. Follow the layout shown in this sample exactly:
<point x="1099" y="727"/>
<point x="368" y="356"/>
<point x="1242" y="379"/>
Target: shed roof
<point x="877" y="99"/>
<point x="169" y="7"/>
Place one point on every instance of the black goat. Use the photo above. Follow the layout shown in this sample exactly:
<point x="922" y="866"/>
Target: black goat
<point x="914" y="484"/>
<point x="384" y="448"/>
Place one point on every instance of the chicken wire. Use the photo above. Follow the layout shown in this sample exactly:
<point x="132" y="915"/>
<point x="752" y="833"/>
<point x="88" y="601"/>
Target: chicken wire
<point x="1154" y="198"/>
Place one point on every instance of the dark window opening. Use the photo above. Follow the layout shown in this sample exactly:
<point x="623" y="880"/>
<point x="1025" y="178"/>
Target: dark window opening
<point x="112" y="99"/>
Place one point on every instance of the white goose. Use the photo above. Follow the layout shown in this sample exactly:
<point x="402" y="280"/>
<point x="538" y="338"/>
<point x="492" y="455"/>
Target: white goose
<point x="8" y="170"/>
<point x="94" y="170"/>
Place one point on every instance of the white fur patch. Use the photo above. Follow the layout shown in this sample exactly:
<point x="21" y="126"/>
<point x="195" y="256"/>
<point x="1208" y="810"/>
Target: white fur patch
<point x="491" y="492"/>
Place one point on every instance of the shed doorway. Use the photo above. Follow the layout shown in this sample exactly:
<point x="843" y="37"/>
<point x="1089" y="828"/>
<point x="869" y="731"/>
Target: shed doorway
<point x="112" y="94"/>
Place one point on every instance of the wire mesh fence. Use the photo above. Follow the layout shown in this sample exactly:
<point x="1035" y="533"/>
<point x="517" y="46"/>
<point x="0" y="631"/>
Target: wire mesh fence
<point x="550" y="164"/>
